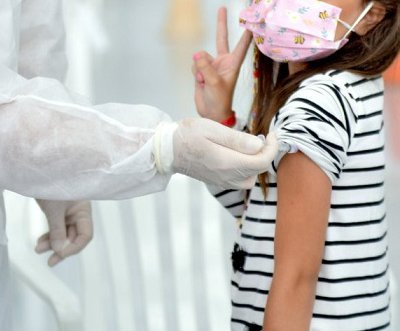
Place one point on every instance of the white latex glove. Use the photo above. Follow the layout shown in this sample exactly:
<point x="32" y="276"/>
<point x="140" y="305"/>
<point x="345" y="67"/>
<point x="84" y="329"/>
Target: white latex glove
<point x="213" y="153"/>
<point x="70" y="228"/>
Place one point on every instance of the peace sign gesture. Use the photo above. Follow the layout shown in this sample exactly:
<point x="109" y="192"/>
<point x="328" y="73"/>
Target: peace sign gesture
<point x="216" y="77"/>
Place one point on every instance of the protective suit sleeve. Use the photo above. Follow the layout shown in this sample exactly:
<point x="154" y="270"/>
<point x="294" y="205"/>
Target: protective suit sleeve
<point x="53" y="145"/>
<point x="62" y="150"/>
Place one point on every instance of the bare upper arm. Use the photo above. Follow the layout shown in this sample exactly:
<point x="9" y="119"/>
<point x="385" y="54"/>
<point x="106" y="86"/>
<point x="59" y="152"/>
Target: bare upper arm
<point x="304" y="193"/>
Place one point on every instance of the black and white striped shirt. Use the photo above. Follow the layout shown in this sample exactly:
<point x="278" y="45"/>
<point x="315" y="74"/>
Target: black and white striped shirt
<point x="335" y="119"/>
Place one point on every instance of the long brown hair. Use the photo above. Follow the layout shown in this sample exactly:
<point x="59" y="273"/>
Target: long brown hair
<point x="368" y="55"/>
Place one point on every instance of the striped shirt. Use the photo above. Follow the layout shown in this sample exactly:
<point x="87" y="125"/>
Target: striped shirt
<point x="336" y="119"/>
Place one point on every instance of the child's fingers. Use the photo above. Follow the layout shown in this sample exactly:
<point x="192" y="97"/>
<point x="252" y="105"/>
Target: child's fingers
<point x="242" y="46"/>
<point x="200" y="78"/>
<point x="203" y="55"/>
<point x="204" y="67"/>
<point x="222" y="32"/>
<point x="197" y="75"/>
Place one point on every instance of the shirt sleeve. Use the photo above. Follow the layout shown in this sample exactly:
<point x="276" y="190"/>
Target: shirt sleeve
<point x="63" y="150"/>
<point x="319" y="121"/>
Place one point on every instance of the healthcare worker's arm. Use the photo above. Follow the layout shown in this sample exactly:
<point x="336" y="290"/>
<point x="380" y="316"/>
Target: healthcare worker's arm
<point x="53" y="146"/>
<point x="42" y="54"/>
<point x="64" y="150"/>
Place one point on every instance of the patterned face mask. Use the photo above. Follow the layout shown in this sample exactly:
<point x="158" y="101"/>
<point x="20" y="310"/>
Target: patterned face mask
<point x="296" y="30"/>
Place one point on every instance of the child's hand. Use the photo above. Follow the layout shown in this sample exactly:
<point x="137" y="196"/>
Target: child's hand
<point x="216" y="77"/>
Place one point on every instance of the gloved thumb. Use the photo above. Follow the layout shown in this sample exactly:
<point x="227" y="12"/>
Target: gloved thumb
<point x="262" y="160"/>
<point x="238" y="141"/>
<point x="272" y="143"/>
<point x="271" y="147"/>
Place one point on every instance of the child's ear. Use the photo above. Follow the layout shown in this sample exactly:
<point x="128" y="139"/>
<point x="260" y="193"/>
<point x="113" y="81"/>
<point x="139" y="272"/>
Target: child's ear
<point x="372" y="19"/>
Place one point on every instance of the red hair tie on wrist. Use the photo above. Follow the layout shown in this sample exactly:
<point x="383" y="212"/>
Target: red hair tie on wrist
<point x="230" y="121"/>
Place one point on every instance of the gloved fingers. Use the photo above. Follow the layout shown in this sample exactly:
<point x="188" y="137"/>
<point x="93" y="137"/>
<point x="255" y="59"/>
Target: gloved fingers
<point x="74" y="247"/>
<point x="271" y="146"/>
<point x="43" y="244"/>
<point x="222" y="32"/>
<point x="54" y="259"/>
<point x="242" y="166"/>
<point x="83" y="224"/>
<point x="238" y="141"/>
<point x="55" y="214"/>
<point x="57" y="232"/>
<point x="204" y="69"/>
<point x="72" y="233"/>
<point x="245" y="184"/>
<point x="272" y="139"/>
<point x="79" y="235"/>
<point x="257" y="164"/>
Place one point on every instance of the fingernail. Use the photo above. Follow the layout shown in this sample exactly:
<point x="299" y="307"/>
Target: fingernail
<point x="196" y="56"/>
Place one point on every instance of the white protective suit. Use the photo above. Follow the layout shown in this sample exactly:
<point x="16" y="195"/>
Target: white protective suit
<point x="49" y="136"/>
<point x="55" y="146"/>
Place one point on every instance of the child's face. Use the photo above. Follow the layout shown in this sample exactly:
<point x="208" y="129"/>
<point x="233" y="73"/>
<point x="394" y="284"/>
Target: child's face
<point x="350" y="12"/>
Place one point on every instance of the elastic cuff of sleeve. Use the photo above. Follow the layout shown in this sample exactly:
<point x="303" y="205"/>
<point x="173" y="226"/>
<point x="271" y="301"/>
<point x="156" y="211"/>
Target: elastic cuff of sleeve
<point x="163" y="148"/>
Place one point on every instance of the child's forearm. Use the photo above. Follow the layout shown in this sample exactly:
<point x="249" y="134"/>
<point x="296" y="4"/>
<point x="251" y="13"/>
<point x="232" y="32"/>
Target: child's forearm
<point x="290" y="304"/>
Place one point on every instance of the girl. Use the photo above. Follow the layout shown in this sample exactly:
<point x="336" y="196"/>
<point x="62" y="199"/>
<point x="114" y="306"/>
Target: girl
<point x="311" y="251"/>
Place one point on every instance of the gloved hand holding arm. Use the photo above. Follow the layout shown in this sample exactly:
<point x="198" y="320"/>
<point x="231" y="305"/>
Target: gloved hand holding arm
<point x="213" y="153"/>
<point x="55" y="147"/>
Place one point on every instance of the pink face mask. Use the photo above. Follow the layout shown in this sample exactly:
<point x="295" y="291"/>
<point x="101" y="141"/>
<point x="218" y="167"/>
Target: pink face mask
<point x="296" y="30"/>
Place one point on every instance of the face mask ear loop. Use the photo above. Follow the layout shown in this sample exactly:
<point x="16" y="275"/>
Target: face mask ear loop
<point x="347" y="26"/>
<point x="359" y="19"/>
